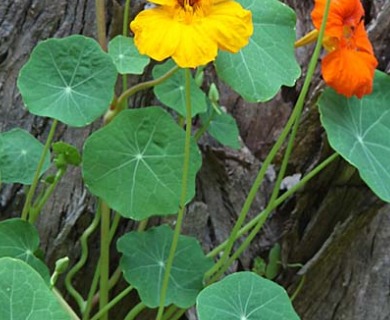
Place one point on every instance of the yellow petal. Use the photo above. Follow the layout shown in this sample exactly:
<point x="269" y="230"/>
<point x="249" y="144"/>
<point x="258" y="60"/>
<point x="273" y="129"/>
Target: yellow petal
<point x="156" y="33"/>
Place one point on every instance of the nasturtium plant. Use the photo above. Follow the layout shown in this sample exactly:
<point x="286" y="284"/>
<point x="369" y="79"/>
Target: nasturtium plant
<point x="172" y="91"/>
<point x="135" y="163"/>
<point x="244" y="296"/>
<point x="126" y="57"/>
<point x="143" y="264"/>
<point x="25" y="295"/>
<point x="70" y="154"/>
<point x="20" y="239"/>
<point x="20" y="153"/>
<point x="359" y="129"/>
<point x="61" y="78"/>
<point x="259" y="70"/>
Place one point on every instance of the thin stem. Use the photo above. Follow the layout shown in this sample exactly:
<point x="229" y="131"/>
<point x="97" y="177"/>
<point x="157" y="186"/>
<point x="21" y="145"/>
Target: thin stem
<point x="113" y="302"/>
<point x="135" y="311"/>
<point x="204" y="127"/>
<point x="182" y="204"/>
<point x="101" y="23"/>
<point x="92" y="297"/>
<point x="83" y="258"/>
<point x="125" y="31"/>
<point x="104" y="258"/>
<point x="31" y="191"/>
<point x="298" y="289"/>
<point x="276" y="203"/>
<point x="36" y="209"/>
<point x="145" y="85"/>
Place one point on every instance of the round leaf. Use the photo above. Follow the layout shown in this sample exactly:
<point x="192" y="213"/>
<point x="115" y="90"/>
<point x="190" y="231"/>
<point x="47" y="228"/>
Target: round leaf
<point x="259" y="70"/>
<point x="359" y="131"/>
<point x="126" y="57"/>
<point x="245" y="296"/>
<point x="19" y="156"/>
<point x="24" y="295"/>
<point x="69" y="79"/>
<point x="135" y="163"/>
<point x="172" y="91"/>
<point x="143" y="265"/>
<point x="19" y="239"/>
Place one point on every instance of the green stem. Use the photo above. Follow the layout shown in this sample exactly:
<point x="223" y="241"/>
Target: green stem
<point x="101" y="23"/>
<point x="104" y="258"/>
<point x="276" y="203"/>
<point x="92" y="297"/>
<point x="204" y="127"/>
<point x="183" y="197"/>
<point x="145" y="85"/>
<point x="31" y="191"/>
<point x="135" y="311"/>
<point x="36" y="209"/>
<point x="298" y="289"/>
<point x="113" y="302"/>
<point x="83" y="258"/>
<point x="125" y="31"/>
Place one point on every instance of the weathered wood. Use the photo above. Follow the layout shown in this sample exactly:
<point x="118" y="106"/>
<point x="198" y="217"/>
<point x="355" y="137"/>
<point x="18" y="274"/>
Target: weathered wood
<point x="335" y="226"/>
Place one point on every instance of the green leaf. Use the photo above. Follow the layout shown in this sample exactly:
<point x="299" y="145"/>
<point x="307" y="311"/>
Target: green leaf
<point x="273" y="266"/>
<point x="259" y="70"/>
<point x="223" y="128"/>
<point x="69" y="79"/>
<point x="172" y="91"/>
<point x="24" y="295"/>
<point x="70" y="154"/>
<point x="126" y="57"/>
<point x="19" y="157"/>
<point x="135" y="163"/>
<point x="143" y="265"/>
<point x="359" y="131"/>
<point x="245" y="295"/>
<point x="19" y="239"/>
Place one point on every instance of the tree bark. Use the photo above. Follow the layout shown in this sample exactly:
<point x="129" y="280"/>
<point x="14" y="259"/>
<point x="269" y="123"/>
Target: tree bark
<point x="334" y="226"/>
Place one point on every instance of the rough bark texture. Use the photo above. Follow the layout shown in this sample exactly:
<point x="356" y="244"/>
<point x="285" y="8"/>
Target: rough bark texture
<point x="335" y="226"/>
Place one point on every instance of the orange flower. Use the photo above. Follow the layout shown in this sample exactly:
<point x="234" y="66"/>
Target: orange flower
<point x="191" y="31"/>
<point x="350" y="63"/>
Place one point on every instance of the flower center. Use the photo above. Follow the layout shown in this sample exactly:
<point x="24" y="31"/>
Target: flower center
<point x="189" y="5"/>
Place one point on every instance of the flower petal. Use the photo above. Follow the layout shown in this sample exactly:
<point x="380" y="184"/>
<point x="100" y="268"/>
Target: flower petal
<point x="349" y="72"/>
<point x="341" y="13"/>
<point x="156" y="33"/>
<point x="229" y="24"/>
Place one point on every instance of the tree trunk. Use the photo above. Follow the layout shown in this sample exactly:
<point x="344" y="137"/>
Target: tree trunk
<point x="335" y="226"/>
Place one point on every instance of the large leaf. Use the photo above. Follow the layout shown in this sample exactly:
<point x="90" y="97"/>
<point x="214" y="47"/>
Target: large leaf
<point x="259" y="70"/>
<point x="245" y="295"/>
<point x="19" y="239"/>
<point x="143" y="265"/>
<point x="359" y="129"/>
<point x="172" y="91"/>
<point x="20" y="153"/>
<point x="69" y="79"/>
<point x="135" y="163"/>
<point x="126" y="57"/>
<point x="24" y="295"/>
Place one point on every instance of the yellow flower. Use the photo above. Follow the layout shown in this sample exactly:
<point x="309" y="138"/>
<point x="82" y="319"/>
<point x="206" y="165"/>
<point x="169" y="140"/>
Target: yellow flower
<point x="191" y="31"/>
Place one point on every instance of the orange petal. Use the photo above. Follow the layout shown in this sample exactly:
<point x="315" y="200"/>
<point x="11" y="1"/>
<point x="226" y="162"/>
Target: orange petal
<point x="341" y="13"/>
<point x="349" y="72"/>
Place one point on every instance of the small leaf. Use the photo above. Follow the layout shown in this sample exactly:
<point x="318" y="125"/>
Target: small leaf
<point x="259" y="70"/>
<point x="273" y="266"/>
<point x="172" y="91"/>
<point x="143" y="265"/>
<point x="69" y="79"/>
<point x="245" y="295"/>
<point x="19" y="239"/>
<point x="135" y="163"/>
<point x="126" y="57"/>
<point x="24" y="295"/>
<point x="70" y="153"/>
<point x="223" y="128"/>
<point x="359" y="129"/>
<point x="19" y="157"/>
